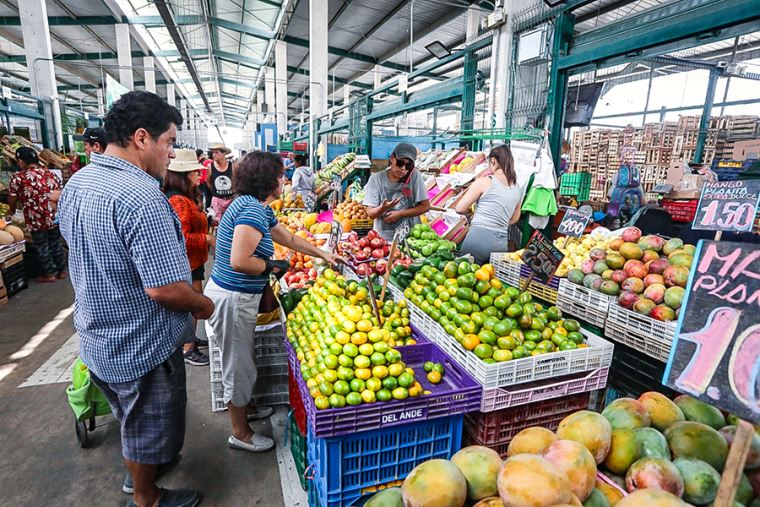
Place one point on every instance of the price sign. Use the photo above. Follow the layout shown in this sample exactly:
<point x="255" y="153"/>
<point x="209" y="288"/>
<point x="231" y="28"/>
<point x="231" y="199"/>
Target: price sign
<point x="716" y="354"/>
<point x="573" y="223"/>
<point x="401" y="233"/>
<point x="728" y="206"/>
<point x="335" y="233"/>
<point x="542" y="257"/>
<point x="309" y="200"/>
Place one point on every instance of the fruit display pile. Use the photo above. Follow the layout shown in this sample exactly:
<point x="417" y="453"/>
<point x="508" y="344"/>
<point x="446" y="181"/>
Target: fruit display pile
<point x="368" y="255"/>
<point x="423" y="241"/>
<point x="335" y="168"/>
<point x="288" y="201"/>
<point x="297" y="220"/>
<point x="654" y="452"/>
<point x="353" y="210"/>
<point x="403" y="276"/>
<point x="647" y="273"/>
<point x="347" y="356"/>
<point x="496" y="322"/>
<point x="576" y="251"/>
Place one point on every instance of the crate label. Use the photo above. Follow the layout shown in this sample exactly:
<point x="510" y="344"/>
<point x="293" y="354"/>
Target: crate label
<point x="715" y="356"/>
<point x="573" y="223"/>
<point x="728" y="206"/>
<point x="406" y="415"/>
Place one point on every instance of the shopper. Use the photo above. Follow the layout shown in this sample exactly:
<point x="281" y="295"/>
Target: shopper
<point x="203" y="185"/>
<point x="290" y="166"/>
<point x="303" y="178"/>
<point x="134" y="300"/>
<point x="239" y="277"/>
<point x="220" y="179"/>
<point x="498" y="199"/>
<point x="37" y="190"/>
<point x="94" y="141"/>
<point x="397" y="194"/>
<point x="181" y="188"/>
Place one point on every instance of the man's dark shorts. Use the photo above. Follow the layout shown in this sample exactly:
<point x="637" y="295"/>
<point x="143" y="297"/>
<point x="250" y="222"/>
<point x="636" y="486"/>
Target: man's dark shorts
<point x="151" y="410"/>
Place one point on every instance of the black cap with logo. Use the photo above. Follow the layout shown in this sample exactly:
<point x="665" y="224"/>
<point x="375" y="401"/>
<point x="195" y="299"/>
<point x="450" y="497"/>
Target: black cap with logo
<point x="92" y="136"/>
<point x="28" y="155"/>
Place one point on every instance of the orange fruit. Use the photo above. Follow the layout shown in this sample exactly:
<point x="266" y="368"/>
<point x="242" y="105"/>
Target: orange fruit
<point x="434" y="377"/>
<point x="470" y="341"/>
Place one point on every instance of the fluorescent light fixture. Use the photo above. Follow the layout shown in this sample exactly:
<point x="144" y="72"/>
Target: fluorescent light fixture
<point x="438" y="50"/>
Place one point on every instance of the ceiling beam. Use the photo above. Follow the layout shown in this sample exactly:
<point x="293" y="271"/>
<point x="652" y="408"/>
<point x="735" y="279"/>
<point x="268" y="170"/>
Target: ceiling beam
<point x="305" y="72"/>
<point x="602" y="10"/>
<point x="344" y="54"/>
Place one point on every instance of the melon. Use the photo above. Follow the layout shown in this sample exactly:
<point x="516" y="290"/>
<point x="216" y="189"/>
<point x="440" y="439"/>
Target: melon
<point x="6" y="238"/>
<point x="14" y="231"/>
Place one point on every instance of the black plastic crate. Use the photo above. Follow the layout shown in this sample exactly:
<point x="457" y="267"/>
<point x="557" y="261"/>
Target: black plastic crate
<point x="633" y="373"/>
<point x="15" y="279"/>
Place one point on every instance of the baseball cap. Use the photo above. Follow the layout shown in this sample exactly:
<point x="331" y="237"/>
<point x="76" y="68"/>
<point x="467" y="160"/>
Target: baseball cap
<point x="405" y="150"/>
<point x="92" y="136"/>
<point x="28" y="155"/>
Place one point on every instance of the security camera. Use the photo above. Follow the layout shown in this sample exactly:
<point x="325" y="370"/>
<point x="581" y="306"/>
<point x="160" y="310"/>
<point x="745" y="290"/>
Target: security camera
<point x="721" y="64"/>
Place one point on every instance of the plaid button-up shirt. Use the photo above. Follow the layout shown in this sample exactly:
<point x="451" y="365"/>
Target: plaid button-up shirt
<point x="123" y="238"/>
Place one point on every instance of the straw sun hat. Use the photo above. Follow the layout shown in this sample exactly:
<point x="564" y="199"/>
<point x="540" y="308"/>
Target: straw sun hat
<point x="185" y="161"/>
<point x="219" y="146"/>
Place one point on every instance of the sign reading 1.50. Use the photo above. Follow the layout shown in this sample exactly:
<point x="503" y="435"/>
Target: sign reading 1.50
<point x="728" y="206"/>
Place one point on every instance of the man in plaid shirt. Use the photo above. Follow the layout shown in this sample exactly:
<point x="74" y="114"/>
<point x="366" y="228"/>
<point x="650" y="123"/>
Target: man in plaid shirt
<point x="134" y="301"/>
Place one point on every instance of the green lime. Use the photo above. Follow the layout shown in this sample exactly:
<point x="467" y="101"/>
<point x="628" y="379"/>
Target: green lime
<point x="439" y="368"/>
<point x="326" y="388"/>
<point x="576" y="337"/>
<point x="393" y="356"/>
<point x="383" y="395"/>
<point x="571" y="325"/>
<point x="390" y="383"/>
<point x="406" y="379"/>
<point x="501" y="356"/>
<point x="354" y="398"/>
<point x="337" y="401"/>
<point x="568" y="345"/>
<point x="377" y="358"/>
<point x="528" y="345"/>
<point x="483" y="351"/>
<point x="345" y="373"/>
<point x="341" y="387"/>
<point x="428" y="366"/>
<point x="400" y="393"/>
<point x="357" y="385"/>
<point x="519" y="352"/>
<point x="487" y="337"/>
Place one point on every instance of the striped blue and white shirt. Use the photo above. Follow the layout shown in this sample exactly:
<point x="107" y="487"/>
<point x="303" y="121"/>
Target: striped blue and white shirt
<point x="244" y="210"/>
<point x="123" y="238"/>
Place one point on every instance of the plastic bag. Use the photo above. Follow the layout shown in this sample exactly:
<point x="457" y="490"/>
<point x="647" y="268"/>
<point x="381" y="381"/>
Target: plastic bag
<point x="83" y="395"/>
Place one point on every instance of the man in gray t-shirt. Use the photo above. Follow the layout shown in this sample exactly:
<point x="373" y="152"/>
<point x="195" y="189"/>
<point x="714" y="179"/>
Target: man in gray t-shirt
<point x="397" y="194"/>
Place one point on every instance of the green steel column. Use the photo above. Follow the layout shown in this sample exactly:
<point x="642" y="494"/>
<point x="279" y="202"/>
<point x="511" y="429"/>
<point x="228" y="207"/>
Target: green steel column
<point x="704" y="122"/>
<point x="467" y="118"/>
<point x="563" y="33"/>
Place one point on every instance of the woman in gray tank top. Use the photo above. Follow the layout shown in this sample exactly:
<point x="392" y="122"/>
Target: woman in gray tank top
<point x="499" y="199"/>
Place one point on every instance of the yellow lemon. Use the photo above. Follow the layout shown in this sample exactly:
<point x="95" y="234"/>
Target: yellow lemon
<point x="380" y="372"/>
<point x="342" y="337"/>
<point x="364" y="325"/>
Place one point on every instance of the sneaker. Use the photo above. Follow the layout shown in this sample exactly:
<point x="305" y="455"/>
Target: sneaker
<point x="258" y="443"/>
<point x="260" y="413"/>
<point x="128" y="486"/>
<point x="203" y="344"/>
<point x="176" y="498"/>
<point x="196" y="357"/>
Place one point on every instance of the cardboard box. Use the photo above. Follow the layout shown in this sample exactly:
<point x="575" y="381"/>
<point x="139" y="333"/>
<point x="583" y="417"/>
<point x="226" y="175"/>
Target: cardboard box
<point x="744" y="150"/>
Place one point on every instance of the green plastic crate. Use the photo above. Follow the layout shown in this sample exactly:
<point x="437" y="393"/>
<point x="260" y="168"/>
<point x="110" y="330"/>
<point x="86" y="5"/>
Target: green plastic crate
<point x="298" y="449"/>
<point x="576" y="184"/>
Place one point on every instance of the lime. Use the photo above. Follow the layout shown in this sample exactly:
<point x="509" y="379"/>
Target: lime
<point x="336" y="349"/>
<point x="350" y="350"/>
<point x="374" y="384"/>
<point x="571" y="325"/>
<point x="506" y="343"/>
<point x="357" y="385"/>
<point x="345" y="373"/>
<point x="393" y="356"/>
<point x="405" y="380"/>
<point x="487" y="337"/>
<point x="326" y="388"/>
<point x="400" y="393"/>
<point x="383" y="395"/>
<point x="361" y="362"/>
<point x="428" y="366"/>
<point x="576" y="337"/>
<point x="483" y="351"/>
<point x="520" y="352"/>
<point x="337" y="401"/>
<point x="501" y="356"/>
<point x="528" y="345"/>
<point x="377" y="358"/>
<point x="568" y="345"/>
<point x="438" y="367"/>
<point x="341" y="387"/>
<point x="330" y="375"/>
<point x="381" y="347"/>
<point x="354" y="399"/>
<point x="390" y="383"/>
<point x="322" y="402"/>
<point x="368" y="396"/>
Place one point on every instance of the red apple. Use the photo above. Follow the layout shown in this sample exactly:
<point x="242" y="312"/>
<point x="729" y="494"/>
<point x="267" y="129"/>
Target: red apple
<point x="378" y="253"/>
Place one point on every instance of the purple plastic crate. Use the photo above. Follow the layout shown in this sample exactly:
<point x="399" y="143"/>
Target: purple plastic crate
<point x="458" y="393"/>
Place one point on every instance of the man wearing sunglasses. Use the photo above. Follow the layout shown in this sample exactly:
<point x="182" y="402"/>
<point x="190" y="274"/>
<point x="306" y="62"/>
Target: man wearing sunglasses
<point x="397" y="194"/>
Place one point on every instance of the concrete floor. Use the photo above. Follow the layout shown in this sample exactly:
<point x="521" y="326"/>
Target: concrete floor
<point x="40" y="458"/>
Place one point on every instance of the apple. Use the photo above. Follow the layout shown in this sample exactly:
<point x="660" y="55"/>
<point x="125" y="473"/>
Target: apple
<point x="377" y="243"/>
<point x="363" y="243"/>
<point x="378" y="253"/>
<point x="361" y="255"/>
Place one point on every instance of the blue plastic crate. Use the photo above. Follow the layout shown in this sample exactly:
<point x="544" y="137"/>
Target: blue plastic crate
<point x="348" y="467"/>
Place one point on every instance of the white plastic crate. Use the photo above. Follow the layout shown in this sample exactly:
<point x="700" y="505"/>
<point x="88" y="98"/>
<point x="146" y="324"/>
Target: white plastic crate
<point x="586" y="304"/>
<point x="507" y="271"/>
<point x="645" y="334"/>
<point x="497" y="399"/>
<point x="517" y="371"/>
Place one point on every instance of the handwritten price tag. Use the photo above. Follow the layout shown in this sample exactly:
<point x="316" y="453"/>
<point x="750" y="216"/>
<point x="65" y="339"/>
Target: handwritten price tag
<point x="401" y="233"/>
<point x="542" y="257"/>
<point x="728" y="206"/>
<point x="716" y="354"/>
<point x="335" y="233"/>
<point x="573" y="223"/>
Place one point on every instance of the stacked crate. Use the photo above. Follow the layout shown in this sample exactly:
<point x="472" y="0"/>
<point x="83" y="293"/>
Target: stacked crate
<point x="656" y="145"/>
<point x="271" y="358"/>
<point x="13" y="278"/>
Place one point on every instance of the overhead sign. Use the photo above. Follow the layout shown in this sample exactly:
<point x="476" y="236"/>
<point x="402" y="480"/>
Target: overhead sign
<point x="114" y="90"/>
<point x="716" y="353"/>
<point x="728" y="206"/>
<point x="542" y="257"/>
<point x="573" y="223"/>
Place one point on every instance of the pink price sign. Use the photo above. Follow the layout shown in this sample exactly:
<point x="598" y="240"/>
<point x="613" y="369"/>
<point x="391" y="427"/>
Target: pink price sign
<point x="716" y="353"/>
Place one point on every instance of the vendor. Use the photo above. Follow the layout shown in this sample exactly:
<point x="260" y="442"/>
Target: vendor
<point x="303" y="177"/>
<point x="499" y="199"/>
<point x="397" y="194"/>
<point x="290" y="166"/>
<point x="94" y="141"/>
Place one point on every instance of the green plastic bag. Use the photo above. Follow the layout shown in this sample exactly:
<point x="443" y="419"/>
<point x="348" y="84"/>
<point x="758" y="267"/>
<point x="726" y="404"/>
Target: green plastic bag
<point x="83" y="394"/>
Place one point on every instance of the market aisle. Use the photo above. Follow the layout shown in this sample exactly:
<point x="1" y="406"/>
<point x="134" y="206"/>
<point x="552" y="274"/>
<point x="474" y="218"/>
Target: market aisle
<point x="41" y="459"/>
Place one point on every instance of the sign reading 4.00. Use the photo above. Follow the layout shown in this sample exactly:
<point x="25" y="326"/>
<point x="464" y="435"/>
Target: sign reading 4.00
<point x="573" y="223"/>
<point x="728" y="206"/>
